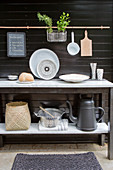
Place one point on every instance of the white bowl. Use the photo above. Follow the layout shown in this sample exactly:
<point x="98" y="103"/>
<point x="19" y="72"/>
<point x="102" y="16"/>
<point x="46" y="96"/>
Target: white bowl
<point x="12" y="77"/>
<point x="42" y="55"/>
<point x="74" y="77"/>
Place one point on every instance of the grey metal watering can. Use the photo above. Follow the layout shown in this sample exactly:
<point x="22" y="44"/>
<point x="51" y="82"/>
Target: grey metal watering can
<point x="87" y="115"/>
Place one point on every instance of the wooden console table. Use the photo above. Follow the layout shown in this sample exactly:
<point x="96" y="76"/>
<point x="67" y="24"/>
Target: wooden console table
<point x="61" y="87"/>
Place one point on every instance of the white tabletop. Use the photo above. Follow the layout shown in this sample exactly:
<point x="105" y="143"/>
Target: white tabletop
<point x="56" y="83"/>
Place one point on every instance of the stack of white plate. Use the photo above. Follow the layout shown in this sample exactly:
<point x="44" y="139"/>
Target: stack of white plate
<point x="44" y="64"/>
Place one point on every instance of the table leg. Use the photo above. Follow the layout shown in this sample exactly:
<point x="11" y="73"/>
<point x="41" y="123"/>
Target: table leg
<point x="110" y="125"/>
<point x="1" y="141"/>
<point x="102" y="100"/>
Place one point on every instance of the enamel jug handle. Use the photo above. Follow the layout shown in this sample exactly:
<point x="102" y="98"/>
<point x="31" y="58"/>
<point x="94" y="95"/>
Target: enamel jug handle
<point x="102" y="114"/>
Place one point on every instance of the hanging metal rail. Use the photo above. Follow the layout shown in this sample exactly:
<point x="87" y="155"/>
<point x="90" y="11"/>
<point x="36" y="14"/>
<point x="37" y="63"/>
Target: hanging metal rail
<point x="44" y="27"/>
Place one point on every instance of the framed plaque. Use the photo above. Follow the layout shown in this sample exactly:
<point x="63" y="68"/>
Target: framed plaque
<point x="16" y="44"/>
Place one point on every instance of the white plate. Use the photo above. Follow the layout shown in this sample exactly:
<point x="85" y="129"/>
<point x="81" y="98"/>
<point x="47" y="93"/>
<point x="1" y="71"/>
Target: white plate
<point x="25" y="82"/>
<point x="40" y="55"/>
<point x="74" y="77"/>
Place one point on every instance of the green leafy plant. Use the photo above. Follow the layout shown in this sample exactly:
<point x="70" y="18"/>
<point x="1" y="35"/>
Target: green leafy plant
<point x="47" y="20"/>
<point x="63" y="22"/>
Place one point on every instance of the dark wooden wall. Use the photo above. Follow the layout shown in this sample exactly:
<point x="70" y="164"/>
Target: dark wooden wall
<point x="82" y="13"/>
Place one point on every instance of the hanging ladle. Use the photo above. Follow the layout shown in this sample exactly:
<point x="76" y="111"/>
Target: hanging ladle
<point x="73" y="48"/>
<point x="46" y="112"/>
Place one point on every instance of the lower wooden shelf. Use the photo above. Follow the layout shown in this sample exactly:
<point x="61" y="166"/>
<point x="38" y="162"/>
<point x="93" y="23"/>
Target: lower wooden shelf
<point x="102" y="128"/>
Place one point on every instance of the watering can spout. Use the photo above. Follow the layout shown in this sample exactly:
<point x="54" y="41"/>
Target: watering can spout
<point x="39" y="114"/>
<point x="71" y="117"/>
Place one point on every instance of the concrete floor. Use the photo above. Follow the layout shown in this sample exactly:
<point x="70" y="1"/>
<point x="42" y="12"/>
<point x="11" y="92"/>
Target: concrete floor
<point x="8" y="152"/>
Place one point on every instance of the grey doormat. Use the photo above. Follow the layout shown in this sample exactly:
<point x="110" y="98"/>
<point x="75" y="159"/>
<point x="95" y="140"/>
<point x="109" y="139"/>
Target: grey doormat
<point x="85" y="161"/>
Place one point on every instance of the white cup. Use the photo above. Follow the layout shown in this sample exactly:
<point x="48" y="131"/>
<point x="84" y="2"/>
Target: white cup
<point x="93" y="70"/>
<point x="100" y="74"/>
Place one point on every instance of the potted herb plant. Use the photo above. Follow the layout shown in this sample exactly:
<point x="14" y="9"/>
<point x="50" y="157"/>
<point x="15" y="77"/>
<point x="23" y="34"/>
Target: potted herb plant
<point x="47" y="20"/>
<point x="59" y="35"/>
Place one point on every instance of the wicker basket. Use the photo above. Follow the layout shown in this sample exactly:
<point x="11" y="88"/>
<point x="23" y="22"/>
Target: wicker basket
<point x="17" y="116"/>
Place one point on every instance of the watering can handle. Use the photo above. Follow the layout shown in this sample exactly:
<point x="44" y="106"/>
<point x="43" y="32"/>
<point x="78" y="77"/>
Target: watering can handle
<point x="102" y="114"/>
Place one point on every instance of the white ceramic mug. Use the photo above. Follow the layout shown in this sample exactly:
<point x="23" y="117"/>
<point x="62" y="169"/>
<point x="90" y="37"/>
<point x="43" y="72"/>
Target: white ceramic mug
<point x="100" y="74"/>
